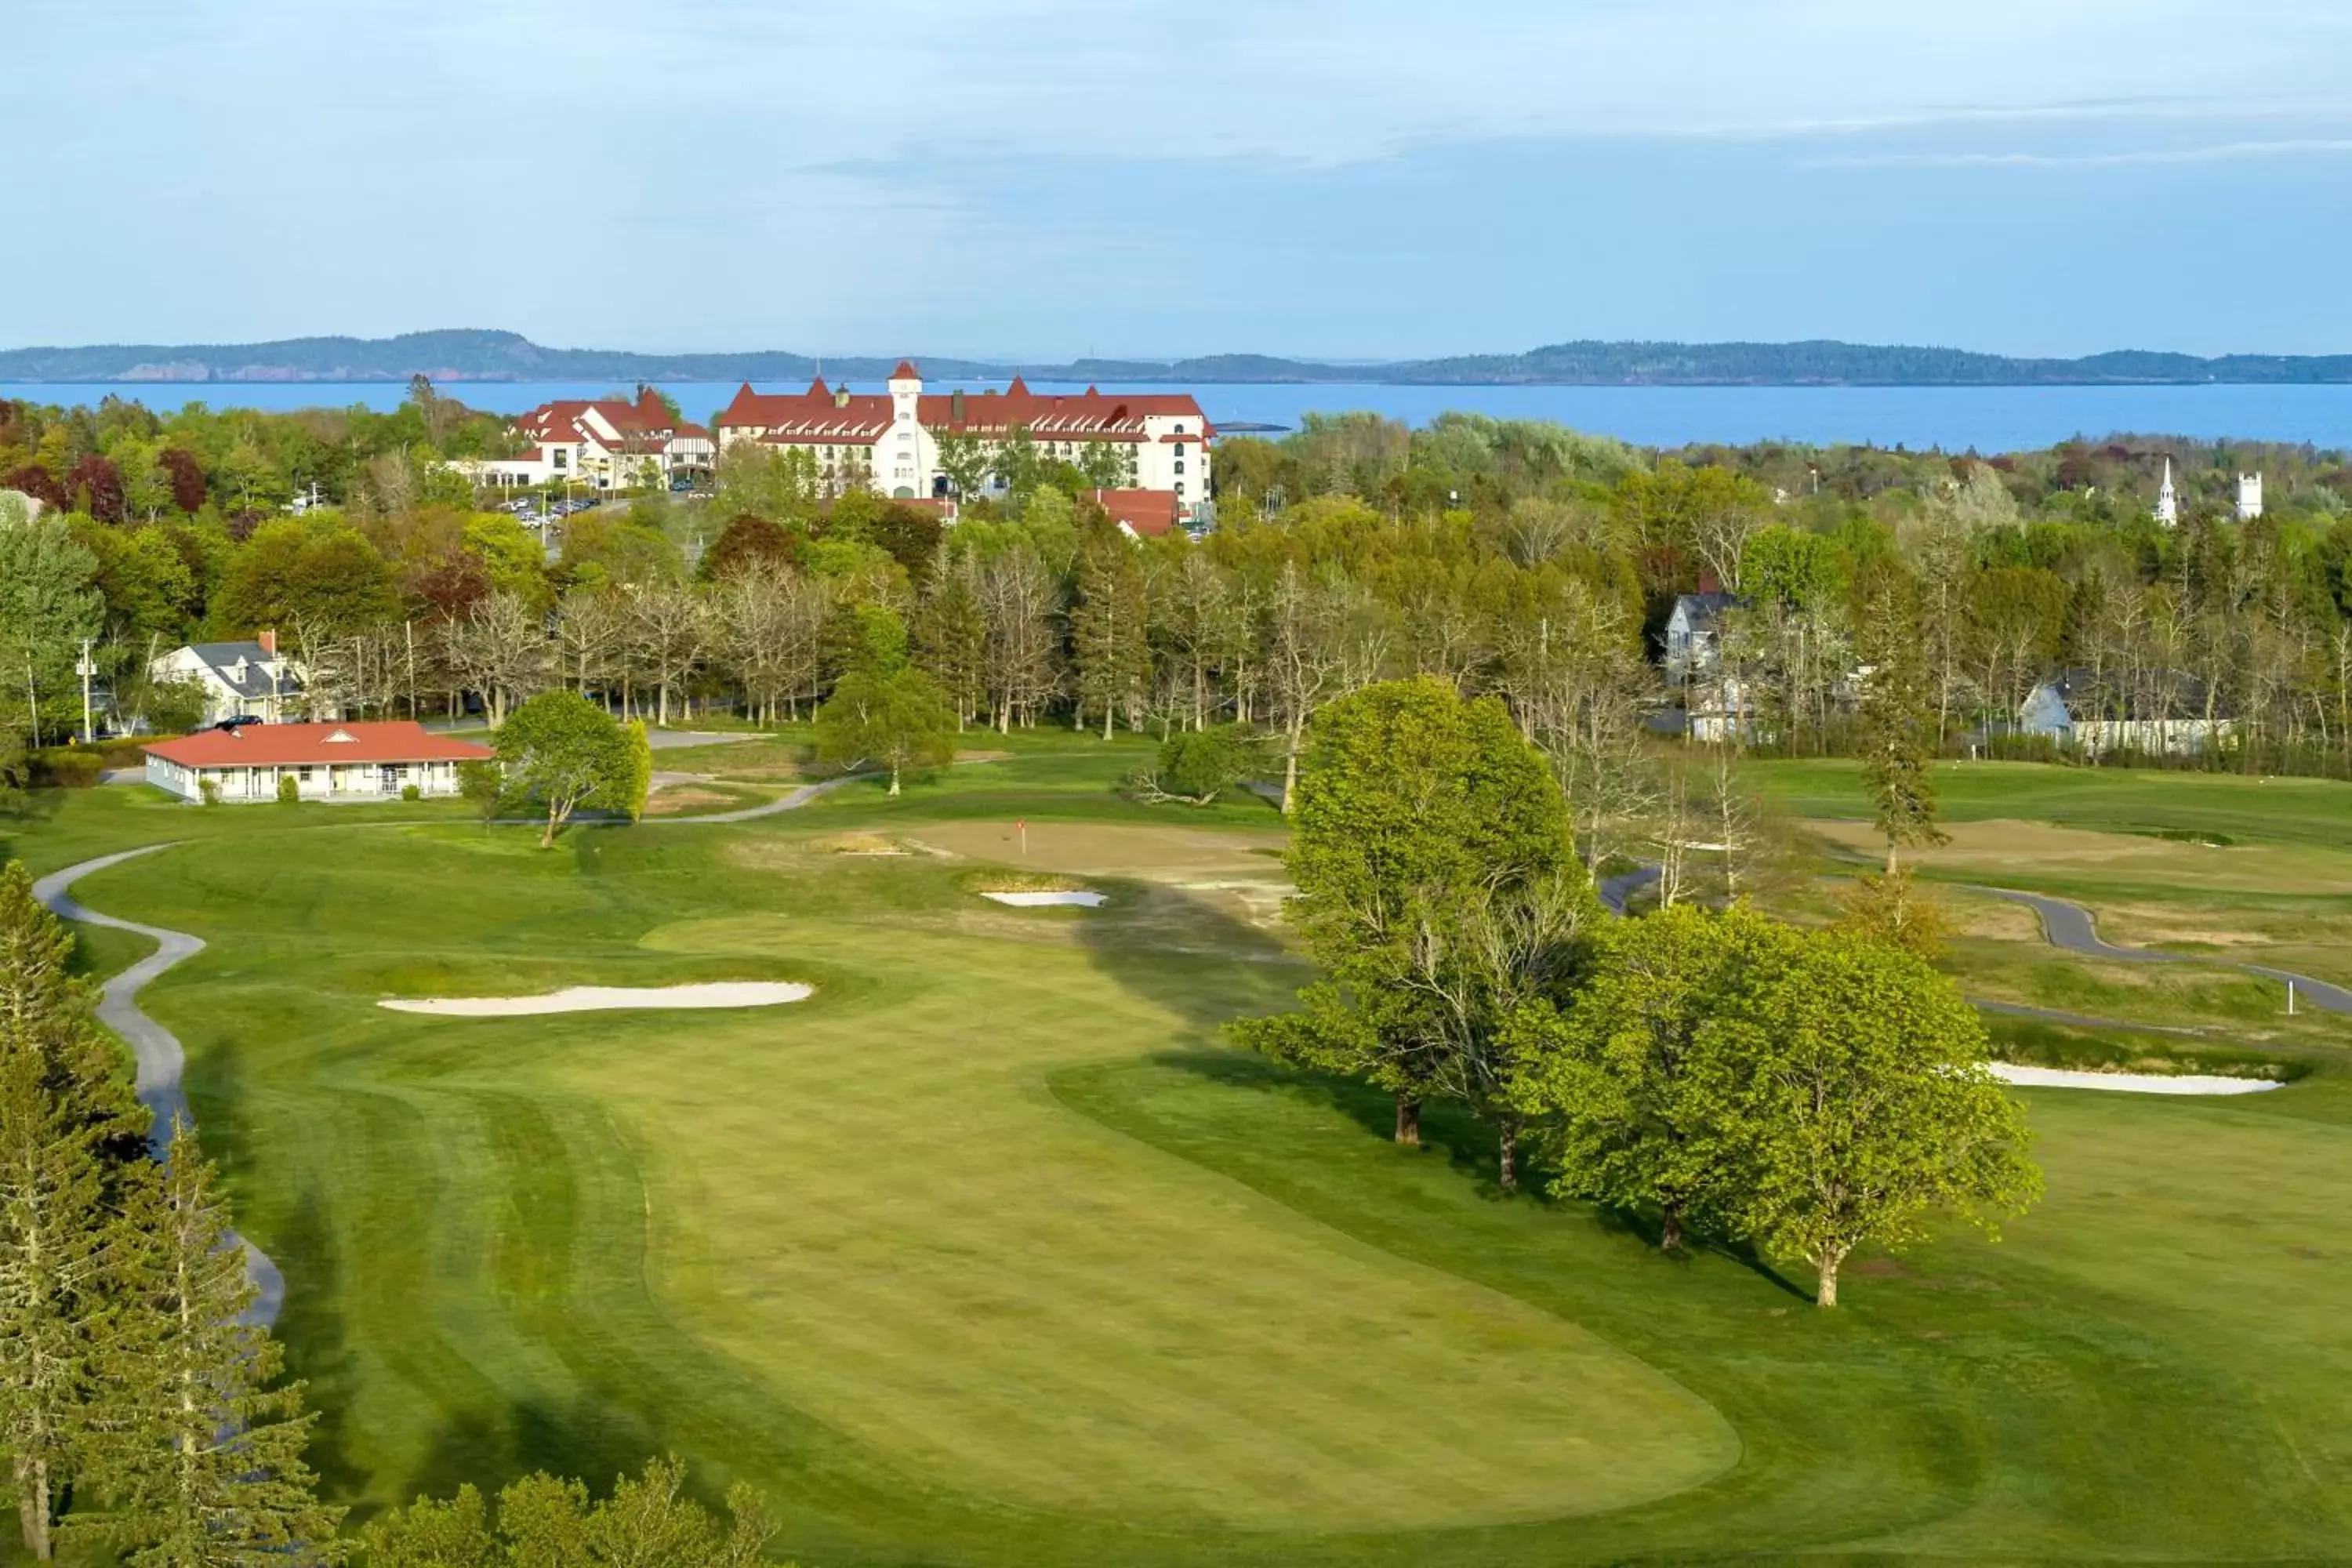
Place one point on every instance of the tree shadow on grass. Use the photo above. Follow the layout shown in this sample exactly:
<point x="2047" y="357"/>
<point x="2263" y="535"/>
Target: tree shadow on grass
<point x="310" y="1326"/>
<point x="1466" y="1143"/>
<point x="1181" y="951"/>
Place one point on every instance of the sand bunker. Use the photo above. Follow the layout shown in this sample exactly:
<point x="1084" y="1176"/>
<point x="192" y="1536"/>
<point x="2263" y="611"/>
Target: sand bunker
<point x="606" y="998"/>
<point x="2128" y="1082"/>
<point x="1041" y="901"/>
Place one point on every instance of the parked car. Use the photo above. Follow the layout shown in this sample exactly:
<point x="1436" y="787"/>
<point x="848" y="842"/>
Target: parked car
<point x="238" y="721"/>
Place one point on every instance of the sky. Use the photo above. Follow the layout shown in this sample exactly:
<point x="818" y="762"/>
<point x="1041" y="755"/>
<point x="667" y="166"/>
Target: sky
<point x="1343" y="179"/>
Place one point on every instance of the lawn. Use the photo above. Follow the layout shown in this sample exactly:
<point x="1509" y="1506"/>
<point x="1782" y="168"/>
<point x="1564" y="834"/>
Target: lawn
<point x="992" y="1254"/>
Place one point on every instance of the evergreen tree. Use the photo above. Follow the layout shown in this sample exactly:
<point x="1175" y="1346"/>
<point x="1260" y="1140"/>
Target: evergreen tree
<point x="952" y="639"/>
<point x="1896" y="723"/>
<point x="213" y="1475"/>
<point x="73" y="1174"/>
<point x="45" y="1013"/>
<point x="60" y="1245"/>
<point x="1108" y="628"/>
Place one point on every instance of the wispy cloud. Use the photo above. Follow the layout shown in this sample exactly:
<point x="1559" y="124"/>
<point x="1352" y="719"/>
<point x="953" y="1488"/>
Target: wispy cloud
<point x="2216" y="152"/>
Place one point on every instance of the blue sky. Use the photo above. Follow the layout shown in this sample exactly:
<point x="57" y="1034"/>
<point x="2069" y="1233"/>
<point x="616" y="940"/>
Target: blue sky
<point x="1342" y="178"/>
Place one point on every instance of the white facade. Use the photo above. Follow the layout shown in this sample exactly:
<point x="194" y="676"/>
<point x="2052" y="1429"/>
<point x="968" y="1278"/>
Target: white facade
<point x="895" y="442"/>
<point x="248" y="678"/>
<point x="2250" y="497"/>
<point x="2168" y="501"/>
<point x="606" y="445"/>
<point x="312" y="780"/>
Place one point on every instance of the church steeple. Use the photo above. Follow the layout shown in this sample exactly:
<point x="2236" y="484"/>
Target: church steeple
<point x="2168" y="503"/>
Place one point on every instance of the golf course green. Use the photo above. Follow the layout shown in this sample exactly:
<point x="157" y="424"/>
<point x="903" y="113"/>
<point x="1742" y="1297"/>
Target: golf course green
<point x="991" y="1252"/>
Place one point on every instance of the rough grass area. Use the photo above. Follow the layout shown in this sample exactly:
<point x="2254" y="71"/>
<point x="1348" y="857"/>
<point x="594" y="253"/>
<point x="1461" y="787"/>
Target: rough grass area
<point x="992" y="1255"/>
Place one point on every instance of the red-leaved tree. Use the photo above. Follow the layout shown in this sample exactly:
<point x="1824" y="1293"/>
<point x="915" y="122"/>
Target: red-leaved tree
<point x="187" y="478"/>
<point x="96" y="484"/>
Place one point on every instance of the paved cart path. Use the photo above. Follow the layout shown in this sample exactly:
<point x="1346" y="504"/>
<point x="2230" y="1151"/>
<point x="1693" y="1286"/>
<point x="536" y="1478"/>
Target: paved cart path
<point x="2076" y="929"/>
<point x="155" y="1048"/>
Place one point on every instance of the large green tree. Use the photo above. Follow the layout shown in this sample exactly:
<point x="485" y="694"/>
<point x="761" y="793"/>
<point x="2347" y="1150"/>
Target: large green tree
<point x="49" y="604"/>
<point x="567" y="753"/>
<point x="1866" y="1107"/>
<point x="896" y="720"/>
<point x="1635" y="1081"/>
<point x="1437" y="887"/>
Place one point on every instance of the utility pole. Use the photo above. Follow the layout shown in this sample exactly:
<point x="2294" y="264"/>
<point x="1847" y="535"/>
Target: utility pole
<point x="85" y="668"/>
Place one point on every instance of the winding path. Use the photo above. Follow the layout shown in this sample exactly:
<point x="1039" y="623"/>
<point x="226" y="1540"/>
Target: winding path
<point x="2076" y="929"/>
<point x="155" y="1048"/>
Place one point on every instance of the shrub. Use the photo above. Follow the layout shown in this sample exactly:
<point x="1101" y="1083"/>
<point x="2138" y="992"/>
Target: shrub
<point x="1199" y="766"/>
<point x="411" y="791"/>
<point x="68" y="767"/>
<point x="210" y="790"/>
<point x="288" y="792"/>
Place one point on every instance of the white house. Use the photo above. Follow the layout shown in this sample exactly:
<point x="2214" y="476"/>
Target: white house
<point x="239" y="679"/>
<point x="326" y="762"/>
<point x="893" y="441"/>
<point x="1695" y="634"/>
<point x="2250" y="497"/>
<point x="603" y="444"/>
<point x="2071" y="709"/>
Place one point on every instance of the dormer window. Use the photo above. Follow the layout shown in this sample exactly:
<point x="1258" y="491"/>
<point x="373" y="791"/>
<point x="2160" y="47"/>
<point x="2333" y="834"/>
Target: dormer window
<point x="341" y="737"/>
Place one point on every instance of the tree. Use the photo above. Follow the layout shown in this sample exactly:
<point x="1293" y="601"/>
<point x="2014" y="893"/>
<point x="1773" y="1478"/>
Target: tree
<point x="1867" y="1108"/>
<point x="563" y="750"/>
<point x="73" y="1166"/>
<point x="1893" y="729"/>
<point x="1631" y="1076"/>
<point x="747" y="541"/>
<point x="57" y="1322"/>
<point x="542" y="1522"/>
<point x="499" y="648"/>
<point x="48" y="606"/>
<point x="1107" y="627"/>
<point x="1196" y="767"/>
<point x="895" y="719"/>
<point x="1437" y="886"/>
<point x="213" y="1475"/>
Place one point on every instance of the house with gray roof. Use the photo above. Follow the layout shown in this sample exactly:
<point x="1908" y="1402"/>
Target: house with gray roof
<point x="251" y="678"/>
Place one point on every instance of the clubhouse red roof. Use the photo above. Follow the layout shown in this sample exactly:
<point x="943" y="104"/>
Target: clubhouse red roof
<point x="293" y="745"/>
<point x="818" y="414"/>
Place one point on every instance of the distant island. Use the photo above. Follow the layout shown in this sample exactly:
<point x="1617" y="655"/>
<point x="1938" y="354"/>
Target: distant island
<point x="472" y="355"/>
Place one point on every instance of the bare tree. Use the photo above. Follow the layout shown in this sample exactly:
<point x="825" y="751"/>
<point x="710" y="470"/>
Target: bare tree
<point x="669" y="632"/>
<point x="1021" y="601"/>
<point x="499" y="649"/>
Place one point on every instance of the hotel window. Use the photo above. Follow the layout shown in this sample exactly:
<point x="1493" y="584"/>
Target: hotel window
<point x="562" y="457"/>
<point x="1180" y="486"/>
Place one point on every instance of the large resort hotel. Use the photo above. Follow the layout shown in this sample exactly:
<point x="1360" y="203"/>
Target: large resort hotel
<point x="892" y="441"/>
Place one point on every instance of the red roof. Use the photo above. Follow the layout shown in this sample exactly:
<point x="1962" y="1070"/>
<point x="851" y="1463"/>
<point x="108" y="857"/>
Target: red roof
<point x="906" y="371"/>
<point x="1146" y="513"/>
<point x="815" y="415"/>
<point x="287" y="745"/>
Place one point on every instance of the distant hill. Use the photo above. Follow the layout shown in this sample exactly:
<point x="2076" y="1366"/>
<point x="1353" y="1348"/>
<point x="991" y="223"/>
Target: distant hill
<point x="459" y="354"/>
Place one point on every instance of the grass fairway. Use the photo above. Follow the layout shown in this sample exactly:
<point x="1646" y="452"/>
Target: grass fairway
<point x="990" y="1254"/>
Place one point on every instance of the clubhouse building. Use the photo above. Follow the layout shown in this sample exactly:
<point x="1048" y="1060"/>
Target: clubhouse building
<point x="899" y="442"/>
<point x="326" y="762"/>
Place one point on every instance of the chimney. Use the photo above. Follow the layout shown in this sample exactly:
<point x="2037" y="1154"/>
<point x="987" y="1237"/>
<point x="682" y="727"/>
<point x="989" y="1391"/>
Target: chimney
<point x="1707" y="583"/>
<point x="841" y="395"/>
<point x="269" y="641"/>
<point x="956" y="402"/>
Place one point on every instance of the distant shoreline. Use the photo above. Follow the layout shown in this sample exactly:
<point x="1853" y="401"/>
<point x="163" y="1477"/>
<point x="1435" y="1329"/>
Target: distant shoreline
<point x="470" y="357"/>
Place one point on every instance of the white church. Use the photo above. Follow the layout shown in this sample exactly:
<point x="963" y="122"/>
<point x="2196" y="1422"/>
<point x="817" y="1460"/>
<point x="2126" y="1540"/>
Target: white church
<point x="2249" y="498"/>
